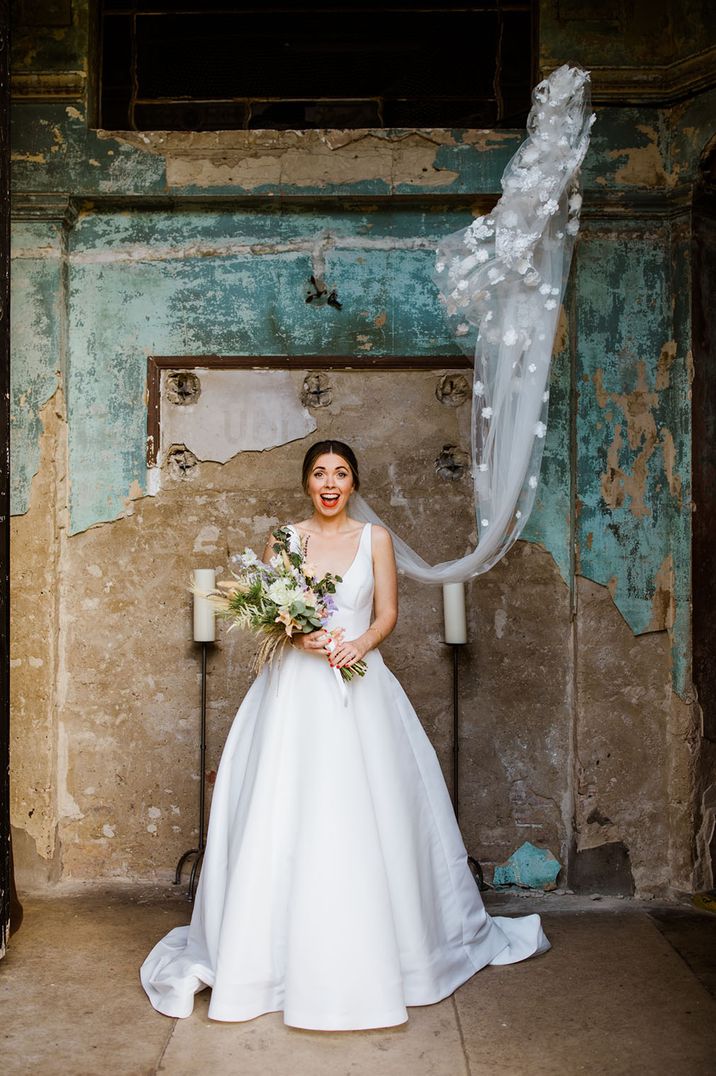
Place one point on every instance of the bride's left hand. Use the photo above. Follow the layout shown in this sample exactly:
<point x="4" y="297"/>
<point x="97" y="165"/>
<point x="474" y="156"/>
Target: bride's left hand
<point x="347" y="652"/>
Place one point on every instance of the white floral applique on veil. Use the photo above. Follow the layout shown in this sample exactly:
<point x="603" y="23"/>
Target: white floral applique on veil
<point x="502" y="279"/>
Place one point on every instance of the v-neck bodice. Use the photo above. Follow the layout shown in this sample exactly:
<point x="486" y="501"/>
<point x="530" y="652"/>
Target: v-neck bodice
<point x="354" y="594"/>
<point x="299" y="535"/>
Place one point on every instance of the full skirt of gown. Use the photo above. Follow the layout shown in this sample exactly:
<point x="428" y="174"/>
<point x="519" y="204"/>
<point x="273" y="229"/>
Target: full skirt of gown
<point x="335" y="885"/>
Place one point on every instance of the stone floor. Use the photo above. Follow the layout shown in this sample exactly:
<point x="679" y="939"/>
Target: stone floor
<point x="628" y="988"/>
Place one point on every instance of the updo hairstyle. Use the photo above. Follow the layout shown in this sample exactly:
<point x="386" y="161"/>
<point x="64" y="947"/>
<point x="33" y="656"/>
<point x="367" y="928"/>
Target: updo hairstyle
<point x="339" y="448"/>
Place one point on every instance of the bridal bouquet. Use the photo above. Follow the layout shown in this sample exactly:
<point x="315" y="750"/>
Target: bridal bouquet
<point x="278" y="599"/>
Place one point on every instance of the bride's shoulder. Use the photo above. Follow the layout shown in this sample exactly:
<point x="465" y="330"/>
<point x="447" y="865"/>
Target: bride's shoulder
<point x="377" y="528"/>
<point x="382" y="538"/>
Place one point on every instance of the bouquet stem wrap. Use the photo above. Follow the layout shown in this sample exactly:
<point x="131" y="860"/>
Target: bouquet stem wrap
<point x="331" y="646"/>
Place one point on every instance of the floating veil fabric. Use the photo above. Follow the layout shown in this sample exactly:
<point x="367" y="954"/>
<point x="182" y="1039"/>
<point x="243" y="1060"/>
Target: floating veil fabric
<point x="502" y="280"/>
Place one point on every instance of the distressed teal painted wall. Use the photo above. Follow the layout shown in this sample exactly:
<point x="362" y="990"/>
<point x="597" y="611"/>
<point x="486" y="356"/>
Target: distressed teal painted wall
<point x="194" y="278"/>
<point x="129" y="244"/>
<point x="624" y="322"/>
<point x="37" y="331"/>
<point x="144" y="283"/>
<point x="632" y="427"/>
<point x="147" y="283"/>
<point x="53" y="150"/>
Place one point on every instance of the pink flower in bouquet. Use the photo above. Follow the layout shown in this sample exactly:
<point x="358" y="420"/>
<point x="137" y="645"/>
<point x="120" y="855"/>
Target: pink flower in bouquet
<point x="284" y="617"/>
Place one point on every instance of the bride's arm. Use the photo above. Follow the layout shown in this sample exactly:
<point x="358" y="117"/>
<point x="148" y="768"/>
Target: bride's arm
<point x="385" y="601"/>
<point x="385" y="595"/>
<point x="268" y="549"/>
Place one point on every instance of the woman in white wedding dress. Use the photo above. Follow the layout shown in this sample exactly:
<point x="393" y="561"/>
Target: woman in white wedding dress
<point x="335" y="885"/>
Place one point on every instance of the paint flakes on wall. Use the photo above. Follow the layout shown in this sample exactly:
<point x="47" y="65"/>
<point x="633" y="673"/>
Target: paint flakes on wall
<point x="36" y="347"/>
<point x="663" y="606"/>
<point x="638" y="409"/>
<point x="67" y="806"/>
<point x="643" y="165"/>
<point x="206" y="540"/>
<point x="253" y="159"/>
<point x="664" y="364"/>
<point x="236" y="411"/>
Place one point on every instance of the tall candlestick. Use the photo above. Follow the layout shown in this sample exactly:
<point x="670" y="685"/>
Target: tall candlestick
<point x="454" y="612"/>
<point x="204" y="614"/>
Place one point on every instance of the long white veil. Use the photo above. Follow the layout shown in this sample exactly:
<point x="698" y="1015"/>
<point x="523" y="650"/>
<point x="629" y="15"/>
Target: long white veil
<point x="502" y="280"/>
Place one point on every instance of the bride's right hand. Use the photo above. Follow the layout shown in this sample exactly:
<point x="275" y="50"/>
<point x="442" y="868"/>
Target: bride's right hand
<point x="314" y="642"/>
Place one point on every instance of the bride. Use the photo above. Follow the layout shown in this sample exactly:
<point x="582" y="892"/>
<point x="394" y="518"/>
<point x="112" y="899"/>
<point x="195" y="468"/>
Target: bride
<point x="335" y="885"/>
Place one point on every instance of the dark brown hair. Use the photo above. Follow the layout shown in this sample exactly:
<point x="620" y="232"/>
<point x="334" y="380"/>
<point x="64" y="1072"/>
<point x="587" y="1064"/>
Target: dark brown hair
<point x="339" y="448"/>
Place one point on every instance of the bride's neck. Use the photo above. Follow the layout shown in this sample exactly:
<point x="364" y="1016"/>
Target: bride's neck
<point x="330" y="527"/>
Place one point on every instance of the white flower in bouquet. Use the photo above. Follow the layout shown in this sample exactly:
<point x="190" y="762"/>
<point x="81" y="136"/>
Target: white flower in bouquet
<point x="283" y="592"/>
<point x="276" y="601"/>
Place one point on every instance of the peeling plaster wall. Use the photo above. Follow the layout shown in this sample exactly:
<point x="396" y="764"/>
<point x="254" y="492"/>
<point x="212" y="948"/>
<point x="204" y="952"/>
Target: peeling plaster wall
<point x="578" y="728"/>
<point x="130" y="707"/>
<point x="516" y="752"/>
<point x="54" y="150"/>
<point x="235" y="411"/>
<point x="35" y="658"/>
<point x="36" y="334"/>
<point x="144" y="283"/>
<point x="632" y="382"/>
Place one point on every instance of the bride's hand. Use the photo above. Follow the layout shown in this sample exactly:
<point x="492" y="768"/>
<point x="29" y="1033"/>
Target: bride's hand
<point x="314" y="642"/>
<point x="347" y="652"/>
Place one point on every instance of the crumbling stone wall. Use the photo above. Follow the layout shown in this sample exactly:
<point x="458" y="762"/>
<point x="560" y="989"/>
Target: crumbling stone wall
<point x="579" y="727"/>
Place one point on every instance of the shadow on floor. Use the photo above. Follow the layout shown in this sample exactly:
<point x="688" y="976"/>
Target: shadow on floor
<point x="624" y="990"/>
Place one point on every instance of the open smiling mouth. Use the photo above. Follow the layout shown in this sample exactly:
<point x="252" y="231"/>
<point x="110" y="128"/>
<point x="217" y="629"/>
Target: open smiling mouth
<point x="329" y="499"/>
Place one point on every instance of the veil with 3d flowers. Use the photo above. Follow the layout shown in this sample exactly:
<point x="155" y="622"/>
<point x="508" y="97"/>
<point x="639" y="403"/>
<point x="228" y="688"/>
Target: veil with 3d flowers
<point x="501" y="280"/>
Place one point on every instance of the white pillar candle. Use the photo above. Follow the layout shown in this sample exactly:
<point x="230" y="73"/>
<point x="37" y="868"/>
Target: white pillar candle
<point x="454" y="612"/>
<point x="204" y="614"/>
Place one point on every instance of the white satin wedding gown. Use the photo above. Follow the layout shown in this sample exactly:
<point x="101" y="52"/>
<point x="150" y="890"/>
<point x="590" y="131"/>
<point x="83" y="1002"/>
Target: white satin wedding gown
<point x="335" y="885"/>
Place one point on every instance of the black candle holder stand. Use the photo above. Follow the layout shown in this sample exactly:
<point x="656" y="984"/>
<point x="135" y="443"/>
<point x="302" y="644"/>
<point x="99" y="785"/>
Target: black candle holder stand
<point x="471" y="861"/>
<point x="198" y="853"/>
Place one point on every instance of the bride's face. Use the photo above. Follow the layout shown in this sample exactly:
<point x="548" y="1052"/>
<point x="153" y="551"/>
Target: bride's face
<point x="329" y="484"/>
